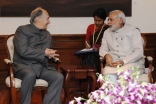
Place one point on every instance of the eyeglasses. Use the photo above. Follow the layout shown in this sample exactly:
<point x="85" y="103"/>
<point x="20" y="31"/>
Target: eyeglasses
<point x="112" y="19"/>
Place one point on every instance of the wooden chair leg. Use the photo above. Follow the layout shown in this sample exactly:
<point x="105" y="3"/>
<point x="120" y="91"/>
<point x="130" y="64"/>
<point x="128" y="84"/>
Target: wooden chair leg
<point x="89" y="84"/>
<point x="42" y="94"/>
<point x="9" y="94"/>
<point x="62" y="98"/>
<point x="150" y="77"/>
<point x="93" y="76"/>
<point x="67" y="88"/>
<point x="13" y="95"/>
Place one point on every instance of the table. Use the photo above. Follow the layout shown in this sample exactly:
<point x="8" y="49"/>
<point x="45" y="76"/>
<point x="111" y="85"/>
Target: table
<point x="79" y="72"/>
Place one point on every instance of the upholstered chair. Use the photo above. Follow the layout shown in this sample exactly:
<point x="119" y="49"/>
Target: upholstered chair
<point x="14" y="83"/>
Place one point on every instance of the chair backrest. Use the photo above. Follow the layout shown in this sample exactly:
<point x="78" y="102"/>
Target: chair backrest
<point x="144" y="41"/>
<point x="8" y="42"/>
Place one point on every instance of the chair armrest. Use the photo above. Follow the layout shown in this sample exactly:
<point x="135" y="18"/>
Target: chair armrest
<point x="56" y="61"/>
<point x="12" y="80"/>
<point x="150" y="61"/>
<point x="101" y="64"/>
<point x="150" y="68"/>
<point x="7" y="61"/>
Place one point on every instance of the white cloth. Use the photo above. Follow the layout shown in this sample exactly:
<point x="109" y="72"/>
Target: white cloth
<point x="113" y="78"/>
<point x="124" y="44"/>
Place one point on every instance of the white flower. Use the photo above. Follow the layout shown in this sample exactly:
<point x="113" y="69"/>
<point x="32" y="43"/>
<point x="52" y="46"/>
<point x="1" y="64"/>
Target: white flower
<point x="107" y="99"/>
<point x="128" y="91"/>
<point x="88" y="101"/>
<point x="95" y="94"/>
<point x="78" y="99"/>
<point x="150" y="97"/>
<point x="100" y="78"/>
<point x="122" y="93"/>
<point x="139" y="102"/>
<point x="72" y="102"/>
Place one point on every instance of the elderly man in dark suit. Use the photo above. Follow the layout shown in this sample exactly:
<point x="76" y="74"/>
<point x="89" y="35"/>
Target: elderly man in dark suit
<point x="32" y="50"/>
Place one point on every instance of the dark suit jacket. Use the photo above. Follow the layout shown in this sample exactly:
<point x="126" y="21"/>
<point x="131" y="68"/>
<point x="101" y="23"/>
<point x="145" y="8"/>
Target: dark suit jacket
<point x="29" y="49"/>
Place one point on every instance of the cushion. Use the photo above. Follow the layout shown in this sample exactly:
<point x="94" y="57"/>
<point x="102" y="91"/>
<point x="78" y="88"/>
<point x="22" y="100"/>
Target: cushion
<point x="144" y="78"/>
<point x="39" y="82"/>
<point x="147" y="70"/>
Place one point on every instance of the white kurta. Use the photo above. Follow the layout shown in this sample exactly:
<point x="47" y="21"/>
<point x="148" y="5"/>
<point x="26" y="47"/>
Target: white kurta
<point x="124" y="44"/>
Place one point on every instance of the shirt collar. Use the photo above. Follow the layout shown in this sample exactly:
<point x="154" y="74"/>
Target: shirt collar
<point x="35" y="28"/>
<point x="119" y="30"/>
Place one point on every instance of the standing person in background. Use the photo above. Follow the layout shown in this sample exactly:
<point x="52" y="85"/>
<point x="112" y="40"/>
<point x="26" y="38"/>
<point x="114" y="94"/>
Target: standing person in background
<point x="93" y="39"/>
<point x="32" y="51"/>
<point x="121" y="45"/>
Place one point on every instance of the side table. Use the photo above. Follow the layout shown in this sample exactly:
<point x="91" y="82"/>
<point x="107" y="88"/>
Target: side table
<point x="79" y="72"/>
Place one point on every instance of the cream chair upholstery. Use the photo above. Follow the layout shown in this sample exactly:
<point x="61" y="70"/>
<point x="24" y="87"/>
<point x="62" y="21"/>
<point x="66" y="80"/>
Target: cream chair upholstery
<point x="39" y="82"/>
<point x="146" y="76"/>
<point x="14" y="83"/>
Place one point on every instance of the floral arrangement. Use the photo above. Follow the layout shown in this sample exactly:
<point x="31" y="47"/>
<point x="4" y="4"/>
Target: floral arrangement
<point x="128" y="91"/>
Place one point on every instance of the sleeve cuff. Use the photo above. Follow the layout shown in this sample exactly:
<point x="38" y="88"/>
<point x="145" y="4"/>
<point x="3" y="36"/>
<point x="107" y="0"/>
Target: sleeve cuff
<point x="124" y="61"/>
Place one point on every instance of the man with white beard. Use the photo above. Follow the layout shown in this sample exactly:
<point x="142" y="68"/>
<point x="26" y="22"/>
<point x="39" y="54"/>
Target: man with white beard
<point x="121" y="45"/>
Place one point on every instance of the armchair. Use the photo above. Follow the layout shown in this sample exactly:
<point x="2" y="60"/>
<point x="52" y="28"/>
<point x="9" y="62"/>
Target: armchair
<point x="14" y="83"/>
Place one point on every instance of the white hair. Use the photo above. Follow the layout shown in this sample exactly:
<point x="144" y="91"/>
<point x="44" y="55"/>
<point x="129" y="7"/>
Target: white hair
<point x="120" y="14"/>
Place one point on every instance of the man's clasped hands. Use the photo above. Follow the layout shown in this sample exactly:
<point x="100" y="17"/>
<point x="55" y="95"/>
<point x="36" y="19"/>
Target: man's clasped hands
<point x="109" y="61"/>
<point x="50" y="53"/>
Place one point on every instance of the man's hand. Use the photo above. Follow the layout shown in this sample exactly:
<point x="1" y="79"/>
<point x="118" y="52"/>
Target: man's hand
<point x="50" y="53"/>
<point x="109" y="60"/>
<point x="120" y="62"/>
